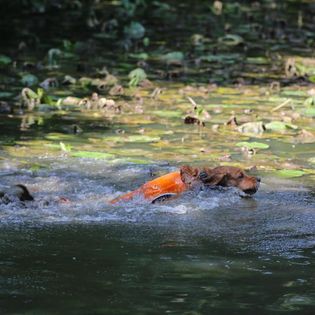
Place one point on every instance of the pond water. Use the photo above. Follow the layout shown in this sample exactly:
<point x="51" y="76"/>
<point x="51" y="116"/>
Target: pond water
<point x="246" y="73"/>
<point x="205" y="252"/>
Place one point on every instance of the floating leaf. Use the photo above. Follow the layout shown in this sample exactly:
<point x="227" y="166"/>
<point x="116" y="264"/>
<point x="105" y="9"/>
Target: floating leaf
<point x="59" y="136"/>
<point x="53" y="55"/>
<point x="136" y="76"/>
<point x="228" y="58"/>
<point x="231" y="40"/>
<point x="29" y="79"/>
<point x="146" y="41"/>
<point x="257" y="60"/>
<point x="135" y="30"/>
<point x="175" y="57"/>
<point x="279" y="125"/>
<point x="291" y="93"/>
<point x="5" y="60"/>
<point x="310" y="101"/>
<point x="253" y="145"/>
<point x="92" y="155"/>
<point x="140" y="56"/>
<point x="142" y="138"/>
<point x="312" y="78"/>
<point x="65" y="147"/>
<point x="167" y="113"/>
<point x="308" y="112"/>
<point x="5" y="94"/>
<point x="290" y="173"/>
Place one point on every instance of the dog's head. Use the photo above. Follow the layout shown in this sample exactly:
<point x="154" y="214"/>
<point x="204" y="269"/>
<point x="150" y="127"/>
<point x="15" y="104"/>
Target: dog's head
<point x="225" y="176"/>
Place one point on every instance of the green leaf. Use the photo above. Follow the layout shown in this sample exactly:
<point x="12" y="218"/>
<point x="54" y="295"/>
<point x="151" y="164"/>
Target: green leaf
<point x="312" y="78"/>
<point x="64" y="147"/>
<point x="92" y="155"/>
<point x="146" y="41"/>
<point x="279" y="125"/>
<point x="29" y="79"/>
<point x="308" y="112"/>
<point x="59" y="136"/>
<point x="257" y="60"/>
<point x="310" y="101"/>
<point x="140" y="56"/>
<point x="136" y="76"/>
<point x="231" y="40"/>
<point x="253" y="145"/>
<point x="167" y="113"/>
<point x="227" y="58"/>
<point x="175" y="57"/>
<point x="135" y="30"/>
<point x="5" y="60"/>
<point x="142" y="138"/>
<point x="53" y="55"/>
<point x="290" y="173"/>
<point x="5" y="94"/>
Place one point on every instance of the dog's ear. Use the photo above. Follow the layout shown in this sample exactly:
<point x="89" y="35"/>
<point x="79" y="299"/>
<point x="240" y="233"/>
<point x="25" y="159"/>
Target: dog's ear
<point x="189" y="174"/>
<point x="211" y="178"/>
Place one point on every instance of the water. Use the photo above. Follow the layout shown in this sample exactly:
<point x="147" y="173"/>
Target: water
<point x="203" y="253"/>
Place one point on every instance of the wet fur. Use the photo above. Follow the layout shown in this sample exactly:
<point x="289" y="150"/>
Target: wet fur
<point x="225" y="176"/>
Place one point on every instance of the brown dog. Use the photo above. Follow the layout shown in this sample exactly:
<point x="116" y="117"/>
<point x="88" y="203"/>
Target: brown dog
<point x="189" y="177"/>
<point x="225" y="176"/>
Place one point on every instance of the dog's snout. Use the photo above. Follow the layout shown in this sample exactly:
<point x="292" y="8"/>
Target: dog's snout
<point x="258" y="179"/>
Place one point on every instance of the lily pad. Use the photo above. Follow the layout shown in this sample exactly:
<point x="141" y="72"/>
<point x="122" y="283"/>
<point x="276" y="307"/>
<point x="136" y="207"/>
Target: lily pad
<point x="59" y="136"/>
<point x="279" y="125"/>
<point x="231" y="40"/>
<point x="29" y="79"/>
<point x="308" y="112"/>
<point x="228" y="58"/>
<point x="65" y="147"/>
<point x="140" y="56"/>
<point x="142" y="138"/>
<point x="5" y="60"/>
<point x="175" y="57"/>
<point x="135" y="30"/>
<point x="132" y="138"/>
<point x="290" y="173"/>
<point x="167" y="113"/>
<point x="310" y="101"/>
<point x="5" y="94"/>
<point x="136" y="76"/>
<point x="92" y="155"/>
<point x="257" y="60"/>
<point x="253" y="145"/>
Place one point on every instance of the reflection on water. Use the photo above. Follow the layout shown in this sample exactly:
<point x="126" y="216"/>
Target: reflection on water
<point x="204" y="253"/>
<point x="145" y="269"/>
